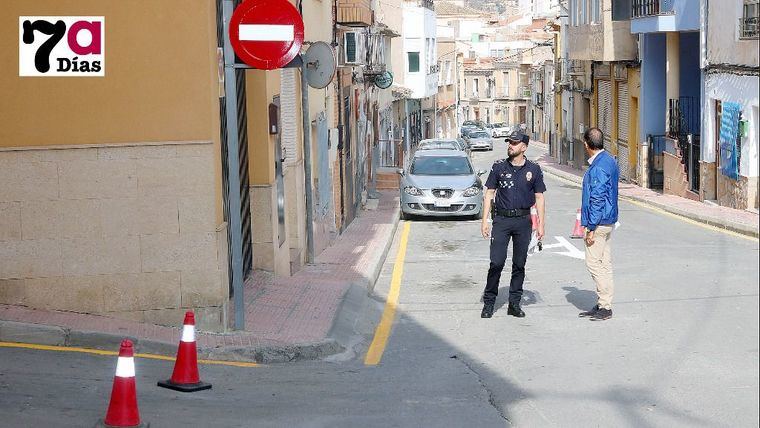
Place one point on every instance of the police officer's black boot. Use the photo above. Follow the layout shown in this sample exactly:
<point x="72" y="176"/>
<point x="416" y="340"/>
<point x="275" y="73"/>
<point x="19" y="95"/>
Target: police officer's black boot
<point x="515" y="311"/>
<point x="487" y="310"/>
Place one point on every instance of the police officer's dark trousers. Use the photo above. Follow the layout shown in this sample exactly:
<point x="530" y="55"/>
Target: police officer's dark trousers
<point x="517" y="229"/>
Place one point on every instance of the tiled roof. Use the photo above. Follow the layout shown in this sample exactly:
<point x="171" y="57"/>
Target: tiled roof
<point x="445" y="8"/>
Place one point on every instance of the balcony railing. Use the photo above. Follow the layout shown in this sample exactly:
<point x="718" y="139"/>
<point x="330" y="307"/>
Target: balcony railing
<point x="645" y="8"/>
<point x="683" y="115"/>
<point x="427" y="4"/>
<point x="748" y="27"/>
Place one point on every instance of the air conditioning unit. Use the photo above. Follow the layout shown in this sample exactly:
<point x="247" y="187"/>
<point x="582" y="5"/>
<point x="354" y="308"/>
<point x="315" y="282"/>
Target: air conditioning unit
<point x="354" y="48"/>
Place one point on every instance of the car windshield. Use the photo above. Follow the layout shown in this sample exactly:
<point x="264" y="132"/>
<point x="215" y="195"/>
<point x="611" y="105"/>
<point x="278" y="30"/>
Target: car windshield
<point x="438" y="145"/>
<point x="479" y="135"/>
<point x="441" y="165"/>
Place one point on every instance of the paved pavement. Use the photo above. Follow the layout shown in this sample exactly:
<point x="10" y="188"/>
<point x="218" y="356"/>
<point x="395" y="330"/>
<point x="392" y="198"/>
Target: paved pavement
<point x="744" y="222"/>
<point x="287" y="319"/>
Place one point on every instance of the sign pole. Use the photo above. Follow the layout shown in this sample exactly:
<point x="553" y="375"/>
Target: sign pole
<point x="233" y="172"/>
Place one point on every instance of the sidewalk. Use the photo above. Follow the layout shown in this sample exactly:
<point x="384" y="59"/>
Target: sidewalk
<point x="743" y="222"/>
<point x="286" y="319"/>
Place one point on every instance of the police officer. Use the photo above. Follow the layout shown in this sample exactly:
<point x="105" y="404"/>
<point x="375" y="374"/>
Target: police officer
<point x="514" y="186"/>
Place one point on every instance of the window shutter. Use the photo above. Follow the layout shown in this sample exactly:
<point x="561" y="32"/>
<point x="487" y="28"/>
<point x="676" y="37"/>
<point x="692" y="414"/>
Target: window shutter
<point x="289" y="108"/>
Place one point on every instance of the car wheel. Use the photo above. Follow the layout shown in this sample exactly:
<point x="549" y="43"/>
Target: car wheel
<point x="405" y="216"/>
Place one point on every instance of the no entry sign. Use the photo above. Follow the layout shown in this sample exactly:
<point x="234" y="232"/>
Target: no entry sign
<point x="266" y="34"/>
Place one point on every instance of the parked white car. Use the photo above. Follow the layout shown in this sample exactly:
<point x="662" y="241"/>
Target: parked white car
<point x="500" y="130"/>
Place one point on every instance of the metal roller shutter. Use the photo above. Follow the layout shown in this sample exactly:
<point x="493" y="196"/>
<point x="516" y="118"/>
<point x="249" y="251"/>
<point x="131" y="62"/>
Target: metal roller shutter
<point x="289" y="113"/>
<point x="604" y="112"/>
<point x="622" y="142"/>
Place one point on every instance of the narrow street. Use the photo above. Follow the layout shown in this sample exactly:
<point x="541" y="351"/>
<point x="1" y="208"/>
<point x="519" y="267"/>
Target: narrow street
<point x="681" y="349"/>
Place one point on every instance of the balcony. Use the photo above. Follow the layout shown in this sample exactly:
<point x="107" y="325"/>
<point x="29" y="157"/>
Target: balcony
<point x="427" y="4"/>
<point x="539" y="99"/>
<point x="355" y="13"/>
<point x="657" y="16"/>
<point x="748" y="27"/>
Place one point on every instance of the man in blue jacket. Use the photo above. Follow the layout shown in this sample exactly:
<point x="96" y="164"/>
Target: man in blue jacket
<point x="599" y="213"/>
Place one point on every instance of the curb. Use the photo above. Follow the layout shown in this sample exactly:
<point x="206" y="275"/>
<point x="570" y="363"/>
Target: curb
<point x="356" y="302"/>
<point x="711" y="221"/>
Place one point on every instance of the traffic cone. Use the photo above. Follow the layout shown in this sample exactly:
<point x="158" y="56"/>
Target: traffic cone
<point x="534" y="217"/>
<point x="578" y="229"/>
<point x="122" y="410"/>
<point x="185" y="377"/>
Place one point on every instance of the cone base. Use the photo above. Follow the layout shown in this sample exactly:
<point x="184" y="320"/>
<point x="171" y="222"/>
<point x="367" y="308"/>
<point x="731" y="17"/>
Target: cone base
<point x="184" y="387"/>
<point x="102" y="424"/>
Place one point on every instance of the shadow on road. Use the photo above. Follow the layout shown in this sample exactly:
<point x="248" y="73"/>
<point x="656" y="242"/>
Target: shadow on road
<point x="581" y="299"/>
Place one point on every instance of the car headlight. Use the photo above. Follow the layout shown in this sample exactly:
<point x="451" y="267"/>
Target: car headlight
<point x="472" y="191"/>
<point x="411" y="190"/>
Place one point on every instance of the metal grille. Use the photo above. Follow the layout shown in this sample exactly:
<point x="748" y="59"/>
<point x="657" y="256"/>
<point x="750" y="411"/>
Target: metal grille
<point x="604" y="112"/>
<point x="642" y="8"/>
<point x="656" y="162"/>
<point x="443" y="193"/>
<point x="622" y="142"/>
<point x="245" y="198"/>
<point x="451" y="209"/>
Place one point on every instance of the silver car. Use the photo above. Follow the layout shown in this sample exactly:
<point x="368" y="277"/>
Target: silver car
<point x="441" y="183"/>
<point x="480" y="140"/>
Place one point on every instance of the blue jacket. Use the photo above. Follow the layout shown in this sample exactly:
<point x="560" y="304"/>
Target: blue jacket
<point x="600" y="192"/>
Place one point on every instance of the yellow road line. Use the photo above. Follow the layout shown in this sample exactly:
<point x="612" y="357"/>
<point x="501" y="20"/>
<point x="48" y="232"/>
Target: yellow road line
<point x="690" y="221"/>
<point x="383" y="331"/>
<point x="113" y="353"/>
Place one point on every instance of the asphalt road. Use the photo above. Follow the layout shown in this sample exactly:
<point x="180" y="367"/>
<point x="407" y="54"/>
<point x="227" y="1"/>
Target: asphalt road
<point x="681" y="349"/>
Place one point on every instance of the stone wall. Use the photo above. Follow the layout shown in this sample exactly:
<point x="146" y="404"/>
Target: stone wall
<point x="126" y="231"/>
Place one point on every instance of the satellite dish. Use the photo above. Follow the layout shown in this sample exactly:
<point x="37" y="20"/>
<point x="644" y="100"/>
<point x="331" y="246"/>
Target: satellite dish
<point x="319" y="65"/>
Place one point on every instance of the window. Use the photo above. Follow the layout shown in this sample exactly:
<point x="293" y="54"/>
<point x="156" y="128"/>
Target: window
<point x="350" y="48"/>
<point x="573" y="9"/>
<point x="621" y="10"/>
<point x="414" y="62"/>
<point x="748" y="24"/>
<point x="475" y="88"/>
<point x="582" y="16"/>
<point x="505" y="88"/>
<point x="596" y="12"/>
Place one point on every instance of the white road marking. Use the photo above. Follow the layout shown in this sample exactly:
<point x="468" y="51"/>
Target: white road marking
<point x="572" y="250"/>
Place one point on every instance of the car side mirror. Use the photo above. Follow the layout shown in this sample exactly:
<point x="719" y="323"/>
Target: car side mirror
<point x="400" y="171"/>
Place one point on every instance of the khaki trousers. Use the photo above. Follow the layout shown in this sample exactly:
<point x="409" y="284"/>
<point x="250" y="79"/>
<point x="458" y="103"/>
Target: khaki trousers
<point x="599" y="264"/>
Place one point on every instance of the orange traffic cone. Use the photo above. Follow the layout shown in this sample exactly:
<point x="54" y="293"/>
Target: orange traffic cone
<point x="122" y="410"/>
<point x="534" y="217"/>
<point x="578" y="229"/>
<point x="185" y="377"/>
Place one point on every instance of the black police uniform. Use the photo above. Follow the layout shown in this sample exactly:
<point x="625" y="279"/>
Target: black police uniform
<point x="516" y="188"/>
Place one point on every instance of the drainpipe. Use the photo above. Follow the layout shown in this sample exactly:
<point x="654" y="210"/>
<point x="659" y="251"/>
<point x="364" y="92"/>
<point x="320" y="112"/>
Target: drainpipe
<point x="307" y="165"/>
<point x="307" y="157"/>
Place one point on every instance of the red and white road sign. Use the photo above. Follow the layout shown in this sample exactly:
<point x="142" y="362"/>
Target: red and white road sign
<point x="266" y="34"/>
